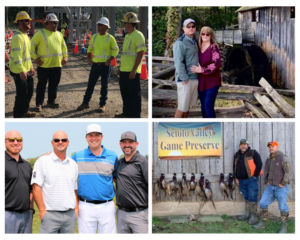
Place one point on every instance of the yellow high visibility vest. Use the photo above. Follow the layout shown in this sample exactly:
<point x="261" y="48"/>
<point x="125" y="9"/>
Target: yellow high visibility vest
<point x="50" y="47"/>
<point x="103" y="47"/>
<point x="20" y="60"/>
<point x="133" y="43"/>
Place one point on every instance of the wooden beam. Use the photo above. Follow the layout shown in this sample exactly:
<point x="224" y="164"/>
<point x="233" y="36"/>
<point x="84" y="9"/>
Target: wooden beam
<point x="164" y="72"/>
<point x="270" y="108"/>
<point x="163" y="59"/>
<point x="284" y="106"/>
<point x="231" y="87"/>
<point x="259" y="113"/>
<point x="161" y="65"/>
<point x="196" y="111"/>
<point x="172" y="95"/>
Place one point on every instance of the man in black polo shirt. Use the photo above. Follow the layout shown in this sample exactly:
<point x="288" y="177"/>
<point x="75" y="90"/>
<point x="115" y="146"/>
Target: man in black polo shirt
<point x="132" y="187"/>
<point x="18" y="192"/>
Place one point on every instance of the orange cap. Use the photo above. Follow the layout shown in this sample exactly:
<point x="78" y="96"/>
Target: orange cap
<point x="274" y="143"/>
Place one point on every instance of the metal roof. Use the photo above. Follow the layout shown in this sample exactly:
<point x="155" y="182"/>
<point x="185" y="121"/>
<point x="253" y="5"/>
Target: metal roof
<point x="243" y="9"/>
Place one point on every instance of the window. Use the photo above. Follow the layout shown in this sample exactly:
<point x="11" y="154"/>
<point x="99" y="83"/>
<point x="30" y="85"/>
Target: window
<point x="292" y="12"/>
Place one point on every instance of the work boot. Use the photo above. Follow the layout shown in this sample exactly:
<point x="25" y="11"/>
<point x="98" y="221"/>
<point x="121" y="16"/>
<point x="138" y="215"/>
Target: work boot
<point x="284" y="222"/>
<point x="253" y="213"/>
<point x="102" y="109"/>
<point x="38" y="108"/>
<point x="247" y="213"/>
<point x="121" y="115"/>
<point x="83" y="106"/>
<point x="262" y="219"/>
<point x="29" y="114"/>
<point x="52" y="105"/>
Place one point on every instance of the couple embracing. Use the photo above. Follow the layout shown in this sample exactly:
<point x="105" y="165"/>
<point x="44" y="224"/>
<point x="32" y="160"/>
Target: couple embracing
<point x="198" y="72"/>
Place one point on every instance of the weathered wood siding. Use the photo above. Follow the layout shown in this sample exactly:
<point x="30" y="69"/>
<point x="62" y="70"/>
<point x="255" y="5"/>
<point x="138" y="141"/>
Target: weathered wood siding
<point x="257" y="133"/>
<point x="275" y="34"/>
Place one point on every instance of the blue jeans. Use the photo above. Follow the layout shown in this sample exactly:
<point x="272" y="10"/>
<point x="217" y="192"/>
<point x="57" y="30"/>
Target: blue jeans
<point x="207" y="99"/>
<point x="96" y="71"/>
<point x="249" y="189"/>
<point x="18" y="222"/>
<point x="275" y="192"/>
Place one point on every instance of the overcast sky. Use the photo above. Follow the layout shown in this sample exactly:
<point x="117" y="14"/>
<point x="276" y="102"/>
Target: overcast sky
<point x="37" y="136"/>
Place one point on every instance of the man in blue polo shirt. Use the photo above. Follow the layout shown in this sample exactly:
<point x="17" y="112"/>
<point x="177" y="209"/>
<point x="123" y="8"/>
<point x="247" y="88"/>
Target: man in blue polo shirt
<point x="97" y="168"/>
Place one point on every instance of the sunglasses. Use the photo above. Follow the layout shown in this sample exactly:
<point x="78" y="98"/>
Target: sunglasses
<point x="100" y="24"/>
<point x="56" y="140"/>
<point x="27" y="20"/>
<point x="207" y="34"/>
<point x="55" y="23"/>
<point x="19" y="139"/>
<point x="191" y="26"/>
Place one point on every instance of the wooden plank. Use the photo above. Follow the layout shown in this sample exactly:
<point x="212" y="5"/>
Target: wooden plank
<point x="175" y="166"/>
<point x="161" y="65"/>
<point x="172" y="95"/>
<point x="279" y="135"/>
<point x="219" y="36"/>
<point x="162" y="59"/>
<point x="270" y="108"/>
<point x="284" y="106"/>
<point x="164" y="72"/>
<point x="160" y="166"/>
<point x="228" y="36"/>
<point x="202" y="165"/>
<point x="196" y="111"/>
<point x="290" y="153"/>
<point x="228" y="143"/>
<point x="231" y="87"/>
<point x="259" y="113"/>
<point x="237" y="37"/>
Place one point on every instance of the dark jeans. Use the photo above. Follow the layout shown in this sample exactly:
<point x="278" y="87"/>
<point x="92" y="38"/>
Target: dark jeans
<point x="207" y="99"/>
<point x="131" y="95"/>
<point x="96" y="71"/>
<point x="24" y="90"/>
<point x="45" y="74"/>
<point x="249" y="189"/>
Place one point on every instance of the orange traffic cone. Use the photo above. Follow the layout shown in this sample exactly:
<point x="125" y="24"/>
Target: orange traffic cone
<point x="5" y="78"/>
<point x="114" y="62"/>
<point x="76" y="47"/>
<point x="84" y="40"/>
<point x="144" y="73"/>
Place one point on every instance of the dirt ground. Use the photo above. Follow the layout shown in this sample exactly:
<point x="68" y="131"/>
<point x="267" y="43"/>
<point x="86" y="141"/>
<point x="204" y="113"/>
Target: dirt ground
<point x="72" y="88"/>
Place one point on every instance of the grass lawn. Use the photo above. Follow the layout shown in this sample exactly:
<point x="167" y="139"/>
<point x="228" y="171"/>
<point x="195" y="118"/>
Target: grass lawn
<point x="230" y="225"/>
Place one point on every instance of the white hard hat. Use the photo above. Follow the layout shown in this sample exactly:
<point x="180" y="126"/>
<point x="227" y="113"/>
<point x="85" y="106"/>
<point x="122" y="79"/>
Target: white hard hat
<point x="51" y="17"/>
<point x="104" y="21"/>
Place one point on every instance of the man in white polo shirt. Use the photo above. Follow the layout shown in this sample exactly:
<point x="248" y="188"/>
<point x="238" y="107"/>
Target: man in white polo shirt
<point x="54" y="183"/>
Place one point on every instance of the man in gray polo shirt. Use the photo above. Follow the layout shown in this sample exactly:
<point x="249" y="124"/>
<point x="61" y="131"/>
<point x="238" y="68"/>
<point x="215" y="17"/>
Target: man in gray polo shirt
<point x="54" y="183"/>
<point x="132" y="187"/>
<point x="185" y="52"/>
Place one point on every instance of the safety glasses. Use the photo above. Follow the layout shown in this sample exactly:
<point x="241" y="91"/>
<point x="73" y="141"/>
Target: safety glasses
<point x="27" y="20"/>
<point x="19" y="139"/>
<point x="56" y="140"/>
<point x="55" y="23"/>
<point x="205" y="34"/>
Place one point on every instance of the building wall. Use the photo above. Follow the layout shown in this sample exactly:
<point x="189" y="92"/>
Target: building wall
<point x="275" y="34"/>
<point x="257" y="133"/>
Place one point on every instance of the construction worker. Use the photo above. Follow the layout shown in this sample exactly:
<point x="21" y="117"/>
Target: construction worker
<point x="104" y="48"/>
<point x="21" y="66"/>
<point x="66" y="34"/>
<point x="130" y="68"/>
<point x="64" y="25"/>
<point x="49" y="51"/>
<point x="63" y="33"/>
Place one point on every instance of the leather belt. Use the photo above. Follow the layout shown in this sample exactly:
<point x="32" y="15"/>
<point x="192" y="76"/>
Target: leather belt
<point x="94" y="202"/>
<point x="133" y="209"/>
<point x="60" y="211"/>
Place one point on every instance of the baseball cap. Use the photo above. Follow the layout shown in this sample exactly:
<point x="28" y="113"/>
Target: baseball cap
<point x="187" y="21"/>
<point x="274" y="143"/>
<point x="128" y="135"/>
<point x="93" y="128"/>
<point x="244" y="141"/>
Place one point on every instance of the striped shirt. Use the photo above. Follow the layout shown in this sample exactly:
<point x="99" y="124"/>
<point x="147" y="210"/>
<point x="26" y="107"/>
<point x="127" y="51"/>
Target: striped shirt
<point x="58" y="180"/>
<point x="96" y="174"/>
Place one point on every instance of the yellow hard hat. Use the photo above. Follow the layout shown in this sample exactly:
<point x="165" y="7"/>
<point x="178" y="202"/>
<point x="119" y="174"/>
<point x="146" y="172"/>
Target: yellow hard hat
<point x="130" y="17"/>
<point x="22" y="16"/>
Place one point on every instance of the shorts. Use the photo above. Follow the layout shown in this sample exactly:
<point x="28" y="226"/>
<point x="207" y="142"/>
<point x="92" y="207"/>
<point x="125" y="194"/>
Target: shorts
<point x="187" y="95"/>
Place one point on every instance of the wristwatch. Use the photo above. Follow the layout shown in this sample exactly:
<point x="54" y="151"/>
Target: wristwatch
<point x="33" y="211"/>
